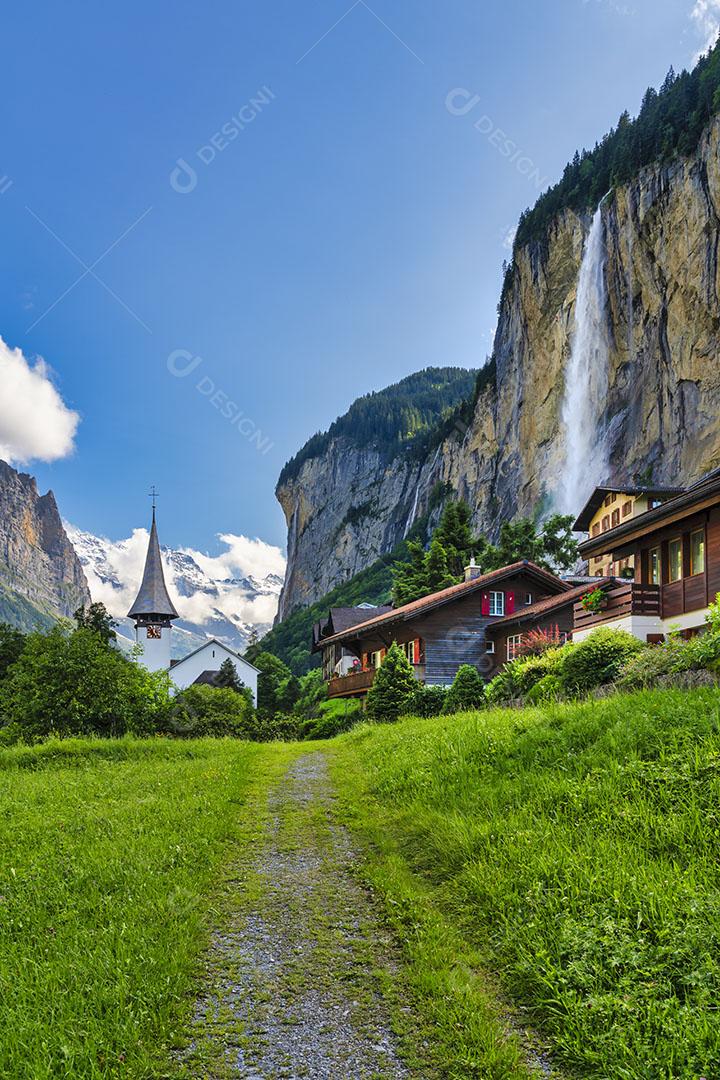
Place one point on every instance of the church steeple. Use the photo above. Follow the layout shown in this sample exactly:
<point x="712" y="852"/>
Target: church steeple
<point x="153" y="609"/>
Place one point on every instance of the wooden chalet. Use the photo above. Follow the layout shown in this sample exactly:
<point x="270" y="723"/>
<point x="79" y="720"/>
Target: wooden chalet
<point x="439" y="632"/>
<point x="673" y="550"/>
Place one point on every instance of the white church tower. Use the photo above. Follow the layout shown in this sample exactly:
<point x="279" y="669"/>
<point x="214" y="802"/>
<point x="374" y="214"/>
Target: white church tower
<point x="153" y="610"/>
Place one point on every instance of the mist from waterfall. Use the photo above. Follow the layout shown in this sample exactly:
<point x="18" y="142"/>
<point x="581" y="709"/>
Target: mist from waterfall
<point x="586" y="458"/>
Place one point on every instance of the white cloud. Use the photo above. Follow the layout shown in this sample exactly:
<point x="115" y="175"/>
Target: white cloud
<point x="35" y="423"/>
<point x="114" y="570"/>
<point x="706" y="16"/>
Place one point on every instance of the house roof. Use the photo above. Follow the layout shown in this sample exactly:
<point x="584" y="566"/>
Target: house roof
<point x="211" y="641"/>
<point x="700" y="495"/>
<point x="446" y="596"/>
<point x="546" y="607"/>
<point x="206" y="678"/>
<point x="597" y="498"/>
<point x="340" y="619"/>
<point x="153" y="598"/>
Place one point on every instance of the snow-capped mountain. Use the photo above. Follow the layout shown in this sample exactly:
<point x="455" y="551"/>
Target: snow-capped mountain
<point x="226" y="596"/>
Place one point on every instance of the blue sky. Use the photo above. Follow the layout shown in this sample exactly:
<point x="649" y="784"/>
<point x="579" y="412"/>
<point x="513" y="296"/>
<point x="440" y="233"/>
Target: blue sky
<point x="352" y="232"/>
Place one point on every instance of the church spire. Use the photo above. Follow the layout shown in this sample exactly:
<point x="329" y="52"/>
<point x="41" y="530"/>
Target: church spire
<point x="153" y="603"/>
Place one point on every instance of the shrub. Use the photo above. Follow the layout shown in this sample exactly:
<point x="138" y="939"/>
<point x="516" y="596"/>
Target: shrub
<point x="702" y="651"/>
<point x="597" y="659"/>
<point x="428" y="700"/>
<point x="526" y="673"/>
<point x="549" y="688"/>
<point x="645" y="667"/>
<point x="76" y="684"/>
<point x="537" y="642"/>
<point x="393" y="689"/>
<point x="210" y="710"/>
<point x="467" y="690"/>
<point x="335" y="718"/>
<point x="503" y="688"/>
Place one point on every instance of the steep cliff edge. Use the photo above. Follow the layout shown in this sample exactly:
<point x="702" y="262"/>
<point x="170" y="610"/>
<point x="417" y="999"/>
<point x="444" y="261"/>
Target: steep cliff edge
<point x="346" y="506"/>
<point x="40" y="574"/>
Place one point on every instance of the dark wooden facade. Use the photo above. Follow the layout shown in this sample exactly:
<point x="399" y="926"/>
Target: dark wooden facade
<point x="446" y="632"/>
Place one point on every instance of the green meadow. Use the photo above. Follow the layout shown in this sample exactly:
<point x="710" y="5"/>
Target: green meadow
<point x="551" y="876"/>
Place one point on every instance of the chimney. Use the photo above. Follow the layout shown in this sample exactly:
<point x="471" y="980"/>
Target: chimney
<point x="472" y="571"/>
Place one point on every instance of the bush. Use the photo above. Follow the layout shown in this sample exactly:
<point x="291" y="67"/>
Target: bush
<point x="393" y="689"/>
<point x="77" y="684"/>
<point x="549" y="688"/>
<point x="526" y="673"/>
<point x="467" y="690"/>
<point x="428" y="700"/>
<point x="335" y="718"/>
<point x="598" y="659"/>
<point x="503" y="688"/>
<point x="643" y="669"/>
<point x="216" y="711"/>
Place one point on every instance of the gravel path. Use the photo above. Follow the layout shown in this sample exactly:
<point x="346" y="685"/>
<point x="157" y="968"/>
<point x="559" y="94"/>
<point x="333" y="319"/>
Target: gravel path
<point x="294" y="986"/>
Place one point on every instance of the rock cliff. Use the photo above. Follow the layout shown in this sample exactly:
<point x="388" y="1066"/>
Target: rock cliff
<point x="39" y="570"/>
<point x="660" y="420"/>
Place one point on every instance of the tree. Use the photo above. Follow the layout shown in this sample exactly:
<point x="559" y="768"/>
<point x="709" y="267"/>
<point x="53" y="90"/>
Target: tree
<point x="73" y="684"/>
<point x="289" y="693"/>
<point x="273" y="673"/>
<point x="554" y="547"/>
<point x="97" y="618"/>
<point x="467" y="690"/>
<point x="228" y="677"/>
<point x="202" y="710"/>
<point x="410" y="577"/>
<point x="393" y="688"/>
<point x="437" y="562"/>
<point x="12" y="643"/>
<point x="456" y="536"/>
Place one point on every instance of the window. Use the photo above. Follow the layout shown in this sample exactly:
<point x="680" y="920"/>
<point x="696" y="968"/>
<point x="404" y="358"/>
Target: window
<point x="627" y="508"/>
<point x="675" y="560"/>
<point x="615" y="520"/>
<point x="376" y="658"/>
<point x="596" y="528"/>
<point x="653" y="503"/>
<point x="697" y="552"/>
<point x="654" y="566"/>
<point x="528" y="598"/>
<point x="606" y="523"/>
<point x="513" y="645"/>
<point x="599" y="558"/>
<point x="497" y="603"/>
<point x="609" y="499"/>
<point x="489" y="646"/>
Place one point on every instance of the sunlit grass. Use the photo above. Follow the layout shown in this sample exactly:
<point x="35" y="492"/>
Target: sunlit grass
<point x="108" y="851"/>
<point x="573" y="853"/>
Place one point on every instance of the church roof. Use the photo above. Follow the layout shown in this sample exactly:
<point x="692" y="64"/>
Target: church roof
<point x="153" y="598"/>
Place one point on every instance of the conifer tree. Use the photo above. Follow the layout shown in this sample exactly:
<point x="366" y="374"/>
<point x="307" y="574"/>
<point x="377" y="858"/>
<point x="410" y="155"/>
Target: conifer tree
<point x="393" y="689"/>
<point x="467" y="690"/>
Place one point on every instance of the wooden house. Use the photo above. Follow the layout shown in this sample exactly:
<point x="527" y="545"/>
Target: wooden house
<point x="439" y="632"/>
<point x="674" y="548"/>
<point x="609" y="507"/>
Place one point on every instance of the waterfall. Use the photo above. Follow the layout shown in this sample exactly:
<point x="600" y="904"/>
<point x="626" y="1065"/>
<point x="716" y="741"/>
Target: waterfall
<point x="586" y="380"/>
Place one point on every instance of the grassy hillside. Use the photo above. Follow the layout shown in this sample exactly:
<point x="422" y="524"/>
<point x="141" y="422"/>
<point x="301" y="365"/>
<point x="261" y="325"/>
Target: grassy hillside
<point x="565" y="861"/>
<point x="19" y="612"/>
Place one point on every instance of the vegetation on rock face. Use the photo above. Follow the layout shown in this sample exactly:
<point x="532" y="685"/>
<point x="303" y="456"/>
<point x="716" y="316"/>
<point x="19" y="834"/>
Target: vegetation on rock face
<point x="670" y="122"/>
<point x="394" y="418"/>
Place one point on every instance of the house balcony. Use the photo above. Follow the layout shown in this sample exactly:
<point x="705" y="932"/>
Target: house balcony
<point x="622" y="602"/>
<point x="359" y="682"/>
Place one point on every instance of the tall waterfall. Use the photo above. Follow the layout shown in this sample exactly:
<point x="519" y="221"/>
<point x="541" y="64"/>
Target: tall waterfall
<point x="586" y="380"/>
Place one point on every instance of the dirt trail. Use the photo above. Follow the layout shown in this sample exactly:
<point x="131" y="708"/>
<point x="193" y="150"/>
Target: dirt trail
<point x="295" y="981"/>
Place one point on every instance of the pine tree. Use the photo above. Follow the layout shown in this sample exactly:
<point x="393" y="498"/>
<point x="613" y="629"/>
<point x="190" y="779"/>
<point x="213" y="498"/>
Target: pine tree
<point x="393" y="689"/>
<point x="228" y="677"/>
<point x="437" y="567"/>
<point x="467" y="690"/>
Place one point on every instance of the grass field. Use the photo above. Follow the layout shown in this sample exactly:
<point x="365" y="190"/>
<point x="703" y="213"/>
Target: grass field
<point x="551" y="876"/>
<point x="108" y="851"/>
<point x="566" y="860"/>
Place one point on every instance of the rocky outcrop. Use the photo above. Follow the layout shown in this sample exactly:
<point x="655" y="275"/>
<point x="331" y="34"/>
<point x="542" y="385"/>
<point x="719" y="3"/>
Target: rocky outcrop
<point x="38" y="564"/>
<point x="662" y="233"/>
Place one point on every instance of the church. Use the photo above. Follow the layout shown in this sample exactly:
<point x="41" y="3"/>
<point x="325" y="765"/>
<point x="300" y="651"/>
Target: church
<point x="153" y="613"/>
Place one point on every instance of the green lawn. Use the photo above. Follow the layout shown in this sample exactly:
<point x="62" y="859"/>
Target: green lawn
<point x="108" y="851"/>
<point x="566" y="861"/>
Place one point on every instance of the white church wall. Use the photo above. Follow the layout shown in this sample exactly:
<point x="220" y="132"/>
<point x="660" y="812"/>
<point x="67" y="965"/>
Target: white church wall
<point x="209" y="658"/>
<point x="155" y="651"/>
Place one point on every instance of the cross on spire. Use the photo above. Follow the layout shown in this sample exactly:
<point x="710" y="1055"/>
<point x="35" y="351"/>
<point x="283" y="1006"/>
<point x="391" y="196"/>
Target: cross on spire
<point x="153" y="494"/>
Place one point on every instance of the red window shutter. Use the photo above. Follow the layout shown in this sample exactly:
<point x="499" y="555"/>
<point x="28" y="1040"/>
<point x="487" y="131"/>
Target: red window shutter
<point x="416" y="651"/>
<point x="509" y="603"/>
<point x="485" y="604"/>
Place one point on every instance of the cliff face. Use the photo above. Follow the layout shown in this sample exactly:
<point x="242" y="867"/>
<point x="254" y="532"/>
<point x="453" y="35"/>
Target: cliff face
<point x="38" y="563"/>
<point x="662" y="316"/>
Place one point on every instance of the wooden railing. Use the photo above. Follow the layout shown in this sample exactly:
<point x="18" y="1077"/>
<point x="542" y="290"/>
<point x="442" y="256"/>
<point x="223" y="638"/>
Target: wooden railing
<point x="359" y="682"/>
<point x="624" y="600"/>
